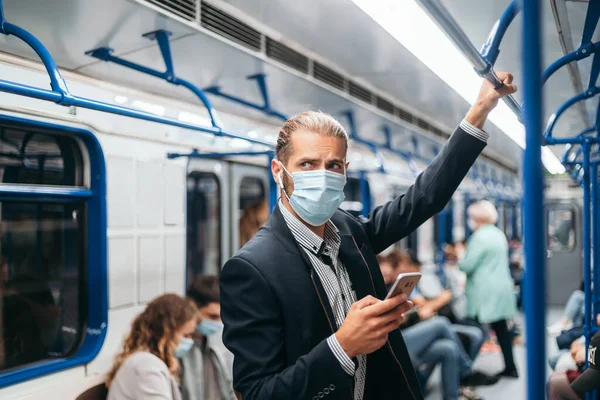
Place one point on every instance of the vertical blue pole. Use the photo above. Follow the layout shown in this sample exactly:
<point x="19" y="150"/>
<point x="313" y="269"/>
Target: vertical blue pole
<point x="533" y="214"/>
<point x="273" y="187"/>
<point x="596" y="242"/>
<point x="365" y="194"/>
<point x="587" y="248"/>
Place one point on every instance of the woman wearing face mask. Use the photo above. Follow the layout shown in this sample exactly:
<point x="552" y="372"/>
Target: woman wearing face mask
<point x="147" y="367"/>
<point x="490" y="288"/>
<point x="206" y="370"/>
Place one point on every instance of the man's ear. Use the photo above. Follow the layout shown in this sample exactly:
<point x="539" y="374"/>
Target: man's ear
<point x="276" y="171"/>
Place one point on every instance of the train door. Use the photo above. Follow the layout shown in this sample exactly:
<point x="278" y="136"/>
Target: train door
<point x="249" y="205"/>
<point x="564" y="250"/>
<point x="207" y="217"/>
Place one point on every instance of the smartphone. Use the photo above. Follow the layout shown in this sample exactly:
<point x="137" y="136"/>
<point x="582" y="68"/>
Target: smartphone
<point x="404" y="284"/>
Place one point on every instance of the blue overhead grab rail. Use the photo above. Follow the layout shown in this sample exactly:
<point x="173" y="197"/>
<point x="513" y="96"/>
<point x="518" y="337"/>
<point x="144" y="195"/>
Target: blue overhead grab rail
<point x="262" y="87"/>
<point x="482" y="66"/>
<point x="61" y="95"/>
<point x="353" y="133"/>
<point x="162" y="37"/>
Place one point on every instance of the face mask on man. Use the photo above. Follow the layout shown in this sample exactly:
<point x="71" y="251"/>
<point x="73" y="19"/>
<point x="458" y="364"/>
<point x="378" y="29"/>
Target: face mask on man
<point x="317" y="194"/>
<point x="208" y="327"/>
<point x="184" y="345"/>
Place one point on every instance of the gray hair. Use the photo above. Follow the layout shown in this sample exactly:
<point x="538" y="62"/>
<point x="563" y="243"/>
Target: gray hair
<point x="483" y="212"/>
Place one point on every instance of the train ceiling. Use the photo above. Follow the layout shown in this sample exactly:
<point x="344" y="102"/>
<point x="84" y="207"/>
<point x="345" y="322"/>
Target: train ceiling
<point x="380" y="80"/>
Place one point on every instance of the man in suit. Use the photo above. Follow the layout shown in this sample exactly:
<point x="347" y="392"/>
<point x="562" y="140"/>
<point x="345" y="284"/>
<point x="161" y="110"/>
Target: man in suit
<point x="301" y="301"/>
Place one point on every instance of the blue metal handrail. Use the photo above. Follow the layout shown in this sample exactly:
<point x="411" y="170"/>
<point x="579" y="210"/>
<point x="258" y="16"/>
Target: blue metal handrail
<point x="482" y="66"/>
<point x="262" y="86"/>
<point x="60" y="94"/>
<point x="533" y="214"/>
<point x="162" y="37"/>
<point x="353" y="133"/>
<point x="491" y="49"/>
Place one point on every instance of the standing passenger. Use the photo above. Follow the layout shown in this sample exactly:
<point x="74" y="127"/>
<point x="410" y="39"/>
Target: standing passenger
<point x="206" y="368"/>
<point x="490" y="288"/>
<point x="147" y="367"/>
<point x="300" y="301"/>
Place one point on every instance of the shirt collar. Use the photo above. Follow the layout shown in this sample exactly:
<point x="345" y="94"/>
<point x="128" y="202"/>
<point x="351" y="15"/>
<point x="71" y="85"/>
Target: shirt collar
<point x="307" y="238"/>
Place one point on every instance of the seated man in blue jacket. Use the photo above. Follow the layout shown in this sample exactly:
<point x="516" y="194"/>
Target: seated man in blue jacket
<point x="301" y="301"/>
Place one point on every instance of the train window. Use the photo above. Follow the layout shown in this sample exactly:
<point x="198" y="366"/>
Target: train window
<point x="254" y="209"/>
<point x="39" y="159"/>
<point x="41" y="277"/>
<point x="53" y="260"/>
<point x="561" y="229"/>
<point x="203" y="224"/>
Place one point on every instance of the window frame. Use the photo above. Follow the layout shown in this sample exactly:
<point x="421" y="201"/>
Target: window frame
<point x="573" y="224"/>
<point x="93" y="197"/>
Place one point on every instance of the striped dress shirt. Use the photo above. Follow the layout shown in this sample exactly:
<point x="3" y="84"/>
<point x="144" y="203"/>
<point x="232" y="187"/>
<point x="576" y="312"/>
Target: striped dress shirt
<point x="336" y="282"/>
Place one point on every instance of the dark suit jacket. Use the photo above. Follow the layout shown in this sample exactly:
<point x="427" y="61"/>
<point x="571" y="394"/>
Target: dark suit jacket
<point x="276" y="313"/>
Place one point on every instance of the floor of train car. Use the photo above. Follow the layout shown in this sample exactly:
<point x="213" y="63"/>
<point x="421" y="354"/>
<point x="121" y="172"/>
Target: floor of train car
<point x="491" y="363"/>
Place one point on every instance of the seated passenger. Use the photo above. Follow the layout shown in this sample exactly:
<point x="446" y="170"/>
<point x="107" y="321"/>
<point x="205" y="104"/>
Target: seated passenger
<point x="432" y="342"/>
<point x="589" y="380"/>
<point x="431" y="298"/>
<point x="573" y="314"/>
<point x="207" y="367"/>
<point x="252" y="220"/>
<point x="147" y="367"/>
<point x="569" y="383"/>
<point x="389" y="266"/>
<point x="566" y="342"/>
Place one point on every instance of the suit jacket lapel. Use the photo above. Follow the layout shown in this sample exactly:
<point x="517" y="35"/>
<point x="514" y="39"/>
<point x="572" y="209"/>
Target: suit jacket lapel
<point x="283" y="233"/>
<point x="356" y="265"/>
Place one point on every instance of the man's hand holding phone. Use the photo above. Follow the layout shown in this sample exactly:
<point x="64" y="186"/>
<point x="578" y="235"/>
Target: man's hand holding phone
<point x="368" y="323"/>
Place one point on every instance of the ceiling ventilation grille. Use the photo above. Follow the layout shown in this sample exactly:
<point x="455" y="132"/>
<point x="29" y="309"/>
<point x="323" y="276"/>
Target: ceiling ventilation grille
<point x="421" y="123"/>
<point x="218" y="21"/>
<point x="187" y="9"/>
<point x="329" y="76"/>
<point x="403" y="115"/>
<point x="286" y="55"/>
<point x="360" y="92"/>
<point x="385" y="105"/>
<point x="232" y="28"/>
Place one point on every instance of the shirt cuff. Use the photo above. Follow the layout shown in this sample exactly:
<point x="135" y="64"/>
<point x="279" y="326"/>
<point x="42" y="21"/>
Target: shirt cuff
<point x="474" y="131"/>
<point x="339" y="353"/>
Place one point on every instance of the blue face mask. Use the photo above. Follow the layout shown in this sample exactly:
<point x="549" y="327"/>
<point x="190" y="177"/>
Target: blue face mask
<point x="208" y="327"/>
<point x="184" y="345"/>
<point x="317" y="194"/>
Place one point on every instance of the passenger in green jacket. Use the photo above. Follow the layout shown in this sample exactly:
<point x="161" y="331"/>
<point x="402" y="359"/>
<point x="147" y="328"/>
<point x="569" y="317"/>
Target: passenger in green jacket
<point x="490" y="288"/>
